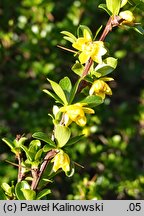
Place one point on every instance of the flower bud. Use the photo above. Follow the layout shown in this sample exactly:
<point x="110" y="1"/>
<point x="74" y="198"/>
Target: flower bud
<point x="61" y="160"/>
<point x="128" y="17"/>
<point x="100" y="88"/>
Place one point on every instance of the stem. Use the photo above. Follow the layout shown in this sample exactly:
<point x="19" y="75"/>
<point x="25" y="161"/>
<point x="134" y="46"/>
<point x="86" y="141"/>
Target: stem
<point x="107" y="29"/>
<point x="37" y="174"/>
<point x="87" y="67"/>
<point x="20" y="174"/>
<point x="112" y="22"/>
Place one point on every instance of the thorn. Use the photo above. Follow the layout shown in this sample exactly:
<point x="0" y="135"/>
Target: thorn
<point x="64" y="48"/>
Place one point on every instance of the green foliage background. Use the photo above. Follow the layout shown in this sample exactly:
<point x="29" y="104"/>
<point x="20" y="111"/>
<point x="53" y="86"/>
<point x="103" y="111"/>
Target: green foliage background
<point x="113" y="152"/>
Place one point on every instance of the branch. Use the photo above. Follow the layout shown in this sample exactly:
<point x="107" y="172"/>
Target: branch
<point x="20" y="174"/>
<point x="38" y="173"/>
<point x="113" y="21"/>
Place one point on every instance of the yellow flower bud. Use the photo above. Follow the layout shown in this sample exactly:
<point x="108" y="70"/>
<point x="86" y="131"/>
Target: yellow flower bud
<point x="75" y="113"/>
<point x="100" y="88"/>
<point x="61" y="160"/>
<point x="128" y="17"/>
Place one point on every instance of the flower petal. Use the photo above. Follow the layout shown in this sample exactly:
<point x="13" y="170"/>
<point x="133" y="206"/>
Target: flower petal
<point x="107" y="79"/>
<point x="87" y="35"/>
<point x="76" y="113"/>
<point x="79" y="44"/>
<point x="81" y="121"/>
<point x="88" y="110"/>
<point x="100" y="88"/>
<point x="61" y="160"/>
<point x="128" y="17"/>
<point x="98" y="51"/>
<point x="101" y="94"/>
<point x="83" y="57"/>
<point x="66" y="164"/>
<point x="92" y="89"/>
<point x="67" y="120"/>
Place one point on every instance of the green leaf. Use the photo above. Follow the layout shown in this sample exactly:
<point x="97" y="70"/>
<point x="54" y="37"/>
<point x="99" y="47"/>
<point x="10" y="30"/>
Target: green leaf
<point x="43" y="193"/>
<point x="74" y="140"/>
<point x="82" y="28"/>
<point x="58" y="90"/>
<point x="70" y="37"/>
<point x="92" y="100"/>
<point x="28" y="178"/>
<point x="6" y="188"/>
<point x="78" y="68"/>
<point x="97" y="32"/>
<point x="9" y="143"/>
<point x="29" y="194"/>
<point x="104" y="7"/>
<point x="2" y="195"/>
<point x="123" y="3"/>
<point x="137" y="3"/>
<point x="62" y="134"/>
<point x="139" y="29"/>
<point x="46" y="148"/>
<point x="38" y="155"/>
<point x="114" y="6"/>
<point x="18" y="189"/>
<point x="51" y="94"/>
<point x="111" y="62"/>
<point x="15" y="147"/>
<point x="34" y="146"/>
<point x="108" y="65"/>
<point x="42" y="136"/>
<point x="66" y="85"/>
<point x="19" y="142"/>
<point x="74" y="91"/>
<point x="29" y="155"/>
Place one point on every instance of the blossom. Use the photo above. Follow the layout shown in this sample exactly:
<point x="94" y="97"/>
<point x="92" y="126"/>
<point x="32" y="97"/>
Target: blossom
<point x="101" y="88"/>
<point x="76" y="113"/>
<point x="89" y="48"/>
<point x="61" y="160"/>
<point x="128" y="17"/>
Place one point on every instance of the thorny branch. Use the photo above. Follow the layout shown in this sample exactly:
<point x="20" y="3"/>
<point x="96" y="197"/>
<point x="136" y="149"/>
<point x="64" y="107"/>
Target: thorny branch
<point x="113" y="21"/>
<point x="37" y="174"/>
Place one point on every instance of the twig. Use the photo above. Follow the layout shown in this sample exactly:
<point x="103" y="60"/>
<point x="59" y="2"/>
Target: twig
<point x="20" y="174"/>
<point x="64" y="48"/>
<point x="38" y="173"/>
<point x="112" y="22"/>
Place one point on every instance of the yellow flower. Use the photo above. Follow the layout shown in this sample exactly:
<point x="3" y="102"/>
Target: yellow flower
<point x="61" y="160"/>
<point x="101" y="88"/>
<point x="89" y="48"/>
<point x="128" y="17"/>
<point x="76" y="113"/>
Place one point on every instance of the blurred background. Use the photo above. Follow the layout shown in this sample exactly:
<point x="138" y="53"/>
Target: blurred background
<point x="113" y="151"/>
